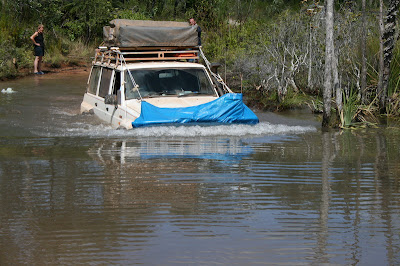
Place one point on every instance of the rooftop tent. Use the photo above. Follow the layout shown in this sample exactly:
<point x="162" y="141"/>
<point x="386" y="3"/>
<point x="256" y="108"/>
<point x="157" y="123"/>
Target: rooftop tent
<point x="145" y="33"/>
<point x="228" y="109"/>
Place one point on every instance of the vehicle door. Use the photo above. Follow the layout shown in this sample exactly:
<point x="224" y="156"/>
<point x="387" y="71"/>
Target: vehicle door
<point x="104" y="111"/>
<point x="90" y="98"/>
<point x="114" y="109"/>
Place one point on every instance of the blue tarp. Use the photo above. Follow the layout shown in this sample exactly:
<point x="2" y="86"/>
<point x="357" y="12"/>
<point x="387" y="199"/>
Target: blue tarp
<point x="227" y="109"/>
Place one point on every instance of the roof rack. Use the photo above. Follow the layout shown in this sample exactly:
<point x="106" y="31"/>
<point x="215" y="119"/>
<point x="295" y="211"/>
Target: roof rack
<point x="112" y="55"/>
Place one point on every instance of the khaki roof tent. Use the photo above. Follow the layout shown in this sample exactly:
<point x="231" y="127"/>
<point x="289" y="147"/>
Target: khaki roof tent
<point x="125" y="33"/>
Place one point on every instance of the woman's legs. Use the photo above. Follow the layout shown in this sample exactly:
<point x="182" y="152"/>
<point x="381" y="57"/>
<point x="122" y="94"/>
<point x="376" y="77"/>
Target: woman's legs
<point x="39" y="67"/>
<point x="37" y="64"/>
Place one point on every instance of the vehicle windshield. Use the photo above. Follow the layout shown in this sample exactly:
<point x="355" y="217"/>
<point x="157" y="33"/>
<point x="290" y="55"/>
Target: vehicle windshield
<point x="168" y="82"/>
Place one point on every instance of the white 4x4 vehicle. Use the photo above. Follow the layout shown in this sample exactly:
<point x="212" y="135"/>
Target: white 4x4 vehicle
<point x="134" y="85"/>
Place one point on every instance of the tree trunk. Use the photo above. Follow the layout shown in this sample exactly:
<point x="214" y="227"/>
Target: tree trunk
<point x="327" y="94"/>
<point x="309" y="78"/>
<point x="363" y="59"/>
<point x="381" y="65"/>
<point x="336" y="85"/>
<point x="388" y="44"/>
<point x="175" y="7"/>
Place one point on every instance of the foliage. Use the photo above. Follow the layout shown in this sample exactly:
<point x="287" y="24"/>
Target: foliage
<point x="130" y="14"/>
<point x="394" y="105"/>
<point x="350" y="107"/>
<point x="394" y="82"/>
<point x="12" y="58"/>
<point x="86" y="18"/>
<point x="279" y="55"/>
<point x="291" y="47"/>
<point x="273" y="50"/>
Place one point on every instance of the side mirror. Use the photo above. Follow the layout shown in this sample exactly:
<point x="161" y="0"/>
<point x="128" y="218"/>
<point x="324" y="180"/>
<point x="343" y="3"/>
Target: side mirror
<point x="111" y="99"/>
<point x="218" y="86"/>
<point x="214" y="67"/>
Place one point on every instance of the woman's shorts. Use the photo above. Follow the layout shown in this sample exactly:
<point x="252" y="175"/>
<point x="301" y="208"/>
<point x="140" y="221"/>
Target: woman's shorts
<point x="39" y="51"/>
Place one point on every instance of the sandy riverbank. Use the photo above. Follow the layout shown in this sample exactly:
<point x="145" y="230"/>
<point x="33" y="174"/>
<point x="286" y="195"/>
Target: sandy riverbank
<point x="82" y="67"/>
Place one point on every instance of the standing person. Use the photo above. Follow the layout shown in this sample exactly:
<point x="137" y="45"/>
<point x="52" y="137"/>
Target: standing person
<point x="192" y="22"/>
<point x="38" y="42"/>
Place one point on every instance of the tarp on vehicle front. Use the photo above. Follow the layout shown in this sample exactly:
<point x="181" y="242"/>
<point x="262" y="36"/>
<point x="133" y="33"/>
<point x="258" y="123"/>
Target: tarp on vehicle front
<point x="228" y="109"/>
<point x="145" y="33"/>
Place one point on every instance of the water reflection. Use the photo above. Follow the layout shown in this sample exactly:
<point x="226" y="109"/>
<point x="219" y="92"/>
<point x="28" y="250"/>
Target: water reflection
<point x="146" y="148"/>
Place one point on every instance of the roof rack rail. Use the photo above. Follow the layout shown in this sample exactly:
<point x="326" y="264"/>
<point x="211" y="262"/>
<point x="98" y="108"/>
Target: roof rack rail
<point x="111" y="55"/>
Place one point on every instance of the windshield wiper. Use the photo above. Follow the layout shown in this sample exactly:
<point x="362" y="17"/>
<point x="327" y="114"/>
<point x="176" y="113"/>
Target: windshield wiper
<point x="194" y="93"/>
<point x="162" y="93"/>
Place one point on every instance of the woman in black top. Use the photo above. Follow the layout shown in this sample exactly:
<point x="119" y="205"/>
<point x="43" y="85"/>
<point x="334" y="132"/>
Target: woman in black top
<point x="38" y="41"/>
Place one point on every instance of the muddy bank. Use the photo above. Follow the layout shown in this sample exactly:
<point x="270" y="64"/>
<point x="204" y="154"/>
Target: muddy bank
<point x="47" y="68"/>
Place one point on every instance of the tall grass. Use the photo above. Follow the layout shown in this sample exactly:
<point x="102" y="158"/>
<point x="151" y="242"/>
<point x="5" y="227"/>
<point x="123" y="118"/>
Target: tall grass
<point x="395" y="71"/>
<point x="350" y="107"/>
<point x="69" y="53"/>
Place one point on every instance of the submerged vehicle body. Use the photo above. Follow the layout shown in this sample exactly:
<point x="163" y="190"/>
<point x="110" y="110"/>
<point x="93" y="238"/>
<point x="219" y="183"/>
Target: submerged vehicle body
<point x="133" y="86"/>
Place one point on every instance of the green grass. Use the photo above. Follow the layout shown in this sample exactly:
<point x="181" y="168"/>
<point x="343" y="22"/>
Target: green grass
<point x="350" y="107"/>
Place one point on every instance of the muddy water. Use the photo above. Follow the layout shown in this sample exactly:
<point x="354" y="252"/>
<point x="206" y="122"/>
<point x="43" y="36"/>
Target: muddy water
<point x="75" y="191"/>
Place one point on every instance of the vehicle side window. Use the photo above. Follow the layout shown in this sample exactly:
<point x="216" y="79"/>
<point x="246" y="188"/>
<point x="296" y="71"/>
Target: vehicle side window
<point x="130" y="91"/>
<point x="94" y="80"/>
<point x="105" y="82"/>
<point x="117" y="82"/>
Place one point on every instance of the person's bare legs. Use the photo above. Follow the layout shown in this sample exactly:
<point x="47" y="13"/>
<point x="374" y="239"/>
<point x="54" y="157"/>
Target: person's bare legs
<point x="35" y="64"/>
<point x="39" y="65"/>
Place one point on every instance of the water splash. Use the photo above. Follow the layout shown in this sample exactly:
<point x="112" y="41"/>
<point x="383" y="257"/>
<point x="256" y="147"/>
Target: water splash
<point x="261" y="129"/>
<point x="8" y="90"/>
